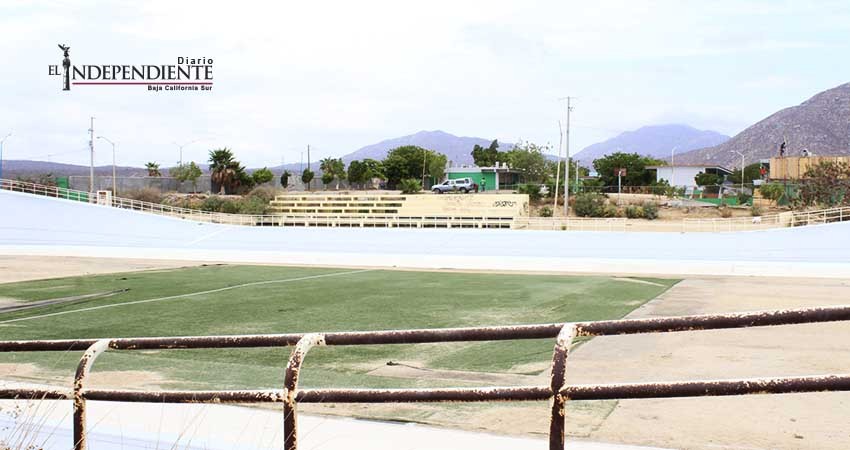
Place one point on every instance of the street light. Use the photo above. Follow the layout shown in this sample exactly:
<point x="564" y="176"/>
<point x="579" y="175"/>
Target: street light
<point x="673" y="166"/>
<point x="114" y="185"/>
<point x="742" y="168"/>
<point x="1" y="153"/>
<point x="184" y="145"/>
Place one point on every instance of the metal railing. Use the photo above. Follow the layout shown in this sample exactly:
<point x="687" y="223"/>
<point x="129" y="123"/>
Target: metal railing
<point x="571" y="223"/>
<point x="785" y="219"/>
<point x="558" y="390"/>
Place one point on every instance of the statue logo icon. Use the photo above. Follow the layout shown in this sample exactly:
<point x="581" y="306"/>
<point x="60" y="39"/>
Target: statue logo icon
<point x="66" y="65"/>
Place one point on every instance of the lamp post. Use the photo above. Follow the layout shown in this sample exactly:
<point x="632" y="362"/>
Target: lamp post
<point x="114" y="184"/>
<point x="1" y="154"/>
<point x="673" y="167"/>
<point x="742" y="168"/>
<point x="180" y="146"/>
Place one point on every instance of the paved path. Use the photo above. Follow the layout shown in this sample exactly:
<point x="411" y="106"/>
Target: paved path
<point x="127" y="426"/>
<point x="48" y="226"/>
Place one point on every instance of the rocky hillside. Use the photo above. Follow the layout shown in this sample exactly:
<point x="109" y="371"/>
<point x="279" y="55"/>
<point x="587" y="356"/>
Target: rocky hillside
<point x="655" y="141"/>
<point x="821" y="124"/>
<point x="457" y="149"/>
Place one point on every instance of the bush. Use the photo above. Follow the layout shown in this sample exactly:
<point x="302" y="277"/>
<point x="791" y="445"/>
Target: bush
<point x="634" y="212"/>
<point x="410" y="186"/>
<point x="264" y="193"/>
<point x="725" y="212"/>
<point x="772" y="191"/>
<point x="212" y="204"/>
<point x="650" y="210"/>
<point x="147" y="194"/>
<point x="532" y="190"/>
<point x="589" y="205"/>
<point x="610" y="210"/>
<point x="252" y="205"/>
<point x="744" y="198"/>
<point x="756" y="211"/>
<point x="261" y="176"/>
<point x="229" y="207"/>
<point x="546" y="211"/>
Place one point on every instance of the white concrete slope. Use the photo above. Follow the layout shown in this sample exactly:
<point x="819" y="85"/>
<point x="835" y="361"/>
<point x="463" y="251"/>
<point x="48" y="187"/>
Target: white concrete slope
<point x="41" y="225"/>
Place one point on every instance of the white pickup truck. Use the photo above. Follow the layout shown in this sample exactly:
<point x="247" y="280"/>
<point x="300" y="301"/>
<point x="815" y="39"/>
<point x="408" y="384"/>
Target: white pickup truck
<point x="464" y="185"/>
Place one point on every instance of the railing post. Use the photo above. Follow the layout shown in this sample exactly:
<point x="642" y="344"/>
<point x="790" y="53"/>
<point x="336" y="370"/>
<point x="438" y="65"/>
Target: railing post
<point x="293" y="370"/>
<point x="559" y="377"/>
<point x="83" y="369"/>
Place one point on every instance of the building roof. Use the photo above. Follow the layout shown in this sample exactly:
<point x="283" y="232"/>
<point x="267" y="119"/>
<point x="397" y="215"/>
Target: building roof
<point x="701" y="166"/>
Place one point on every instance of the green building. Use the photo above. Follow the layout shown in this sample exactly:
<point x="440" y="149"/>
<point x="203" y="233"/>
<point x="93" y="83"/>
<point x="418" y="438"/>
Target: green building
<point x="488" y="178"/>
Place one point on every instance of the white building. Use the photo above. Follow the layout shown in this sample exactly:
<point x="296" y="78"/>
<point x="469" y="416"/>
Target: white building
<point x="683" y="176"/>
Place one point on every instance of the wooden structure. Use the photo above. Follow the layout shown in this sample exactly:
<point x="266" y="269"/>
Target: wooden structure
<point x="387" y="209"/>
<point x="795" y="167"/>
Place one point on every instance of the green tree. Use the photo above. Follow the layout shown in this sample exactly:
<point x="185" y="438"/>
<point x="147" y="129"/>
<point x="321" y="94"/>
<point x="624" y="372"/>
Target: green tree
<point x="153" y="169"/>
<point x="635" y="165"/>
<point x="187" y="172"/>
<point x="529" y="158"/>
<point x="225" y="171"/>
<point x="263" y="175"/>
<point x="306" y="177"/>
<point x="710" y="182"/>
<point x="487" y="157"/>
<point x="408" y="162"/>
<point x="826" y="184"/>
<point x="357" y="172"/>
<point x="284" y="179"/>
<point x="327" y="178"/>
<point x="374" y="169"/>
<point x="751" y="172"/>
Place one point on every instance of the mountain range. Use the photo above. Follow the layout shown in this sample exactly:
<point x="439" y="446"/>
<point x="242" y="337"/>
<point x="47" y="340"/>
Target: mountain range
<point x="655" y="140"/>
<point x="458" y="149"/>
<point x="820" y="124"/>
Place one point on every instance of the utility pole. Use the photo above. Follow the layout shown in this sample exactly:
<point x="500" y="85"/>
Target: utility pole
<point x="424" y="158"/>
<point x="114" y="184"/>
<point x="558" y="170"/>
<point x="308" y="166"/>
<point x="673" y="168"/>
<point x="91" y="147"/>
<point x="567" y="171"/>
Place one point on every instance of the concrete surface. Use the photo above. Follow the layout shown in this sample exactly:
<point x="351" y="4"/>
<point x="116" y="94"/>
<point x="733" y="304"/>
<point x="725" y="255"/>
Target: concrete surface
<point x="47" y="226"/>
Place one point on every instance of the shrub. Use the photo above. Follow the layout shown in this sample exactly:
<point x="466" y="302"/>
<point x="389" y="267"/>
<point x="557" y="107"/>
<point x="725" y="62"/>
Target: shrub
<point x="772" y="191"/>
<point x="532" y="190"/>
<point x="756" y="210"/>
<point x="634" y="212"/>
<point x="743" y="198"/>
<point x="546" y="211"/>
<point x="252" y="205"/>
<point x="589" y="205"/>
<point x="610" y="210"/>
<point x="229" y="207"/>
<point x="410" y="186"/>
<point x="725" y="212"/>
<point x="264" y="193"/>
<point x="650" y="210"/>
<point x="147" y="194"/>
<point x="212" y="204"/>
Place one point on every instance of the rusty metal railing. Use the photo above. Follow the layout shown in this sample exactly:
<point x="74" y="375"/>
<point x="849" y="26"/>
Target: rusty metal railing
<point x="558" y="391"/>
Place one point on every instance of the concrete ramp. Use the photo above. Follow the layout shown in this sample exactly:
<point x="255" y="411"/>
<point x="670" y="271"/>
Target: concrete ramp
<point x="34" y="225"/>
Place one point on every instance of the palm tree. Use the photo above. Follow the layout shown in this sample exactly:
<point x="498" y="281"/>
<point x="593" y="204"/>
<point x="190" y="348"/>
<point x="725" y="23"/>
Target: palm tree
<point x="153" y="169"/>
<point x="224" y="170"/>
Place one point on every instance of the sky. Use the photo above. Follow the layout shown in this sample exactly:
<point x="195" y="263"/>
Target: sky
<point x="339" y="75"/>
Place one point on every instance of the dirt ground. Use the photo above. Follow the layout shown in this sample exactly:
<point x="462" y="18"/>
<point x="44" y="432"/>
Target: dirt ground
<point x="24" y="268"/>
<point x="796" y="421"/>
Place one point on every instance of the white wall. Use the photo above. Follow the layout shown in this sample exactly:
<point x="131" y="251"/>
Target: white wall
<point x="681" y="176"/>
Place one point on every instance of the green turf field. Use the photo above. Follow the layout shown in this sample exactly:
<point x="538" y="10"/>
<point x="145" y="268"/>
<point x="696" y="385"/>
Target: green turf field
<point x="285" y="299"/>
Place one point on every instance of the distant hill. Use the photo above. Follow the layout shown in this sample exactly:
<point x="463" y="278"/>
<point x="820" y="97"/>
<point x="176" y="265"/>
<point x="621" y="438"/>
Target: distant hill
<point x="821" y="124"/>
<point x="456" y="148"/>
<point x="654" y="140"/>
<point x="22" y="168"/>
